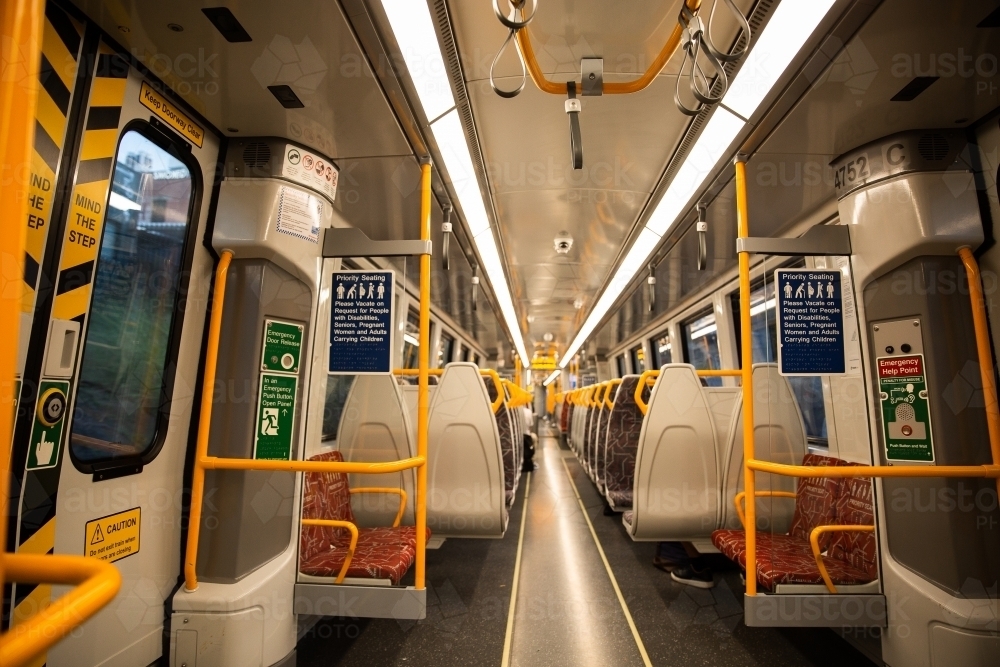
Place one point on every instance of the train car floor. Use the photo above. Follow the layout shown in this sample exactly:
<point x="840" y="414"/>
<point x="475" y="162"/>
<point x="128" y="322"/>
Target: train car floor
<point x="569" y="610"/>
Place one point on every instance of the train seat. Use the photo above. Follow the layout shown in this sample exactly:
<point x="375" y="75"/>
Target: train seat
<point x="506" y="428"/>
<point x="465" y="478"/>
<point x="597" y="441"/>
<point x="779" y="437"/>
<point x="375" y="426"/>
<point x="622" y="442"/>
<point x="676" y="480"/>
<point x="380" y="553"/>
<point x="849" y="557"/>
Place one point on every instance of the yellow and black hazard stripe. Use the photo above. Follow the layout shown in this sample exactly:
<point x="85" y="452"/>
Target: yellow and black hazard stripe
<point x="62" y="38"/>
<point x="79" y="250"/>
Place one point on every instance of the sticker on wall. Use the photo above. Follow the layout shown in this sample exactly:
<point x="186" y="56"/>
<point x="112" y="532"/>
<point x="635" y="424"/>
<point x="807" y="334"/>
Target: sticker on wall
<point x="810" y="322"/>
<point x="113" y="537"/>
<point x="906" y="410"/>
<point x="46" y="433"/>
<point x="361" y="331"/>
<point x="275" y="416"/>
<point x="311" y="170"/>
<point x="300" y="214"/>
<point x="282" y="346"/>
<point x="171" y="115"/>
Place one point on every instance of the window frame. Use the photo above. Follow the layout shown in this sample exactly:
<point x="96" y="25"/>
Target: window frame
<point x="654" y="347"/>
<point x="181" y="152"/>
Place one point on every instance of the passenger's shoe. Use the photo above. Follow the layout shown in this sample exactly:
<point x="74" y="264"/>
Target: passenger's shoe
<point x="667" y="565"/>
<point x="689" y="576"/>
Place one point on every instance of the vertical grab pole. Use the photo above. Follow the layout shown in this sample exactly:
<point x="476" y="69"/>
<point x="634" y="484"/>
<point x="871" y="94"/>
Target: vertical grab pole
<point x="985" y="353"/>
<point x="205" y="423"/>
<point x="423" y="362"/>
<point x="746" y="364"/>
<point x="21" y="26"/>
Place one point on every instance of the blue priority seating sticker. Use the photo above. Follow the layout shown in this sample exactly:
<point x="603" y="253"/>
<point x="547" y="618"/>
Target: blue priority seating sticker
<point x="361" y="331"/>
<point x="810" y="321"/>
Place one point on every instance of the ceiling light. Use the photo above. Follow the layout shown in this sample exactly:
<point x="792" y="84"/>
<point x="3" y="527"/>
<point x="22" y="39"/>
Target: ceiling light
<point x="551" y="377"/>
<point x="487" y="247"/>
<point x="414" y="30"/>
<point x="450" y="139"/>
<point x="790" y="26"/>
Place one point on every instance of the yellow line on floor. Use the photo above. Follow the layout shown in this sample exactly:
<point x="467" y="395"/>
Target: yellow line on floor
<point x="607" y="566"/>
<point x="509" y="635"/>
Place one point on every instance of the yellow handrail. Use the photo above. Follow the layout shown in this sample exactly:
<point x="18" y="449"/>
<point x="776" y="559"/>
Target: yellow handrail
<point x="546" y="86"/>
<point x="337" y="523"/>
<point x="96" y="581"/>
<point x="643" y="378"/>
<point x="818" y="555"/>
<point x="415" y="372"/>
<point x="985" y="470"/>
<point x="608" y="401"/>
<point x="498" y="383"/>
<point x="740" y="501"/>
<point x="387" y="489"/>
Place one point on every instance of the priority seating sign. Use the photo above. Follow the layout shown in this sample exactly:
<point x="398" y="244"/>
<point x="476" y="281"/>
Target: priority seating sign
<point x="810" y="319"/>
<point x="361" y="331"/>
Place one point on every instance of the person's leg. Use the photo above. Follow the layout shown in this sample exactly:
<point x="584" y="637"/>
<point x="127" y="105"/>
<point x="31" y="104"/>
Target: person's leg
<point x="696" y="572"/>
<point x="529" y="453"/>
<point x="670" y="556"/>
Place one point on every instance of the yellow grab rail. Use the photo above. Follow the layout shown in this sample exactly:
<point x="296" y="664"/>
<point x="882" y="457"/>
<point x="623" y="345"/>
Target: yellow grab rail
<point x="646" y="376"/>
<point x="337" y="523"/>
<point x="546" y="86"/>
<point x="608" y="400"/>
<point x="387" y="489"/>
<point x="96" y="581"/>
<point x="740" y="501"/>
<point x="489" y="372"/>
<point x="814" y="536"/>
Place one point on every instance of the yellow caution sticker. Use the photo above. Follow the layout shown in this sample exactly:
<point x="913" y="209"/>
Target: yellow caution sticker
<point x="113" y="537"/>
<point x="171" y="115"/>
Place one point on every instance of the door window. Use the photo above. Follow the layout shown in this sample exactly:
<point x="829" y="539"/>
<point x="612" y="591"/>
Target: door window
<point x="445" y="350"/>
<point x="638" y="359"/>
<point x="125" y="374"/>
<point x="661" y="349"/>
<point x="411" y="339"/>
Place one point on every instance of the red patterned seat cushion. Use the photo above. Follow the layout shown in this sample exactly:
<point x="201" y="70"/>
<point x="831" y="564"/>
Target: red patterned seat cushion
<point x="785" y="559"/>
<point x="815" y="500"/>
<point x="381" y="553"/>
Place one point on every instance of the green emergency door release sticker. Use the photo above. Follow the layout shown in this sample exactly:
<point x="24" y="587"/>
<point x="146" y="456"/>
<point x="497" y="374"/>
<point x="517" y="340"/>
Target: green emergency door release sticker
<point x="47" y="430"/>
<point x="282" y="347"/>
<point x="275" y="416"/>
<point x="906" y="411"/>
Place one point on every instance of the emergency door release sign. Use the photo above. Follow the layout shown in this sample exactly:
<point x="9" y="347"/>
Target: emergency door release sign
<point x="361" y="331"/>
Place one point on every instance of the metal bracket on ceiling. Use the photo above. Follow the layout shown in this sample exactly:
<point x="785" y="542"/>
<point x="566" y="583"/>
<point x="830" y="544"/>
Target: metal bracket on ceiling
<point x="592" y="76"/>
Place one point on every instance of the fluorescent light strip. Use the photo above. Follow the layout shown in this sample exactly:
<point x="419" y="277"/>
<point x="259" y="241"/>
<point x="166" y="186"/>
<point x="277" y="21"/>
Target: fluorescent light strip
<point x="414" y="31"/>
<point x="710" y="329"/>
<point x="551" y="378"/>
<point x="792" y="23"/>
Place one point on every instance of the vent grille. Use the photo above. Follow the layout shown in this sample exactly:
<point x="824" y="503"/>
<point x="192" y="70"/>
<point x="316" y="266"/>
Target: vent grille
<point x="256" y="155"/>
<point x="933" y="146"/>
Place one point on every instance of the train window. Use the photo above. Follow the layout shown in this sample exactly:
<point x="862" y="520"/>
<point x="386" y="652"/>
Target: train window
<point x="125" y="375"/>
<point x="475" y="359"/>
<point x="701" y="346"/>
<point x="662" y="353"/>
<point x="411" y="339"/>
<point x="446" y="350"/>
<point x="620" y="364"/>
<point x="638" y="359"/>
<point x="808" y="390"/>
<point x="337" y="389"/>
<point x="464" y="356"/>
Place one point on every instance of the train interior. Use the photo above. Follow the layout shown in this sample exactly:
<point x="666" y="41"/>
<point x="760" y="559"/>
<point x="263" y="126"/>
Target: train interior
<point x="508" y="332"/>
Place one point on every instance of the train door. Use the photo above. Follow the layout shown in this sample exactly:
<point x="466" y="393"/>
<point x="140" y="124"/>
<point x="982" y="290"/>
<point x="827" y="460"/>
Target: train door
<point x="111" y="362"/>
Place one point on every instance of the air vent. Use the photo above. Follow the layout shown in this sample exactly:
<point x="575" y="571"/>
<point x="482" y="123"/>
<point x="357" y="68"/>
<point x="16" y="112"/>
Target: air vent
<point x="256" y="155"/>
<point x="910" y="91"/>
<point x="933" y="146"/>
<point x="224" y="21"/>
<point x="286" y="96"/>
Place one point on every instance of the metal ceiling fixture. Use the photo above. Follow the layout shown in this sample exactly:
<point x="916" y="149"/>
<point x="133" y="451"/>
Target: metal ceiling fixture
<point x="514" y="20"/>
<point x="562" y="242"/>
<point x="697" y="41"/>
<point x="446" y="235"/>
<point x="651" y="288"/>
<point x="702" y="234"/>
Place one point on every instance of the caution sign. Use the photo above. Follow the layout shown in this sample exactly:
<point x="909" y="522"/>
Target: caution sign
<point x="282" y="346"/>
<point x="361" y="331"/>
<point x="275" y="416"/>
<point x="906" y="411"/>
<point x="113" y="537"/>
<point x="810" y="314"/>
<point x="171" y="115"/>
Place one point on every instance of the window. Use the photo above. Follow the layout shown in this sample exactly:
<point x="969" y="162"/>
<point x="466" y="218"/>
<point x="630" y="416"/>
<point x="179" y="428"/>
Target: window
<point x="638" y="359"/>
<point x="411" y="339"/>
<point x="464" y="355"/>
<point x="125" y="378"/>
<point x="475" y="359"/>
<point x="337" y="389"/>
<point x="661" y="349"/>
<point x="446" y="348"/>
<point x="620" y="364"/>
<point x="808" y="390"/>
<point x="701" y="343"/>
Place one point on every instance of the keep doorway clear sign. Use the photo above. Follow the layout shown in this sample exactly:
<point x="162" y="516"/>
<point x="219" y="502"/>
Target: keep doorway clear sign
<point x="361" y="331"/>
<point x="810" y="318"/>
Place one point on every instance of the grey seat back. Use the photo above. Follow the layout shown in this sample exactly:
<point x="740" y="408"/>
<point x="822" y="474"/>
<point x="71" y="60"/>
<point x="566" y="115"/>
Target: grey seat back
<point x="375" y="426"/>
<point x="676" y="489"/>
<point x="465" y="477"/>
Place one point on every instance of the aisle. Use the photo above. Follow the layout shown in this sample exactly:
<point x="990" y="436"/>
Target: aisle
<point x="567" y="612"/>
